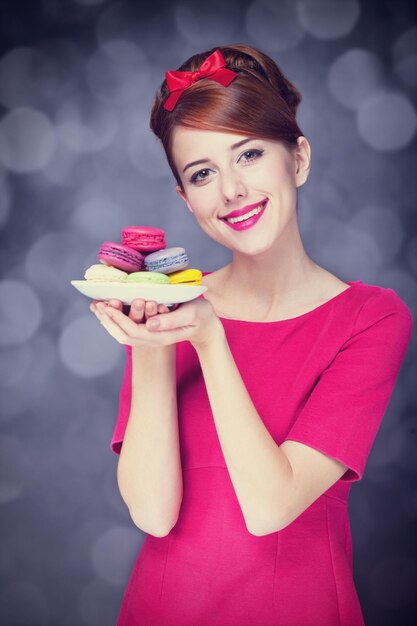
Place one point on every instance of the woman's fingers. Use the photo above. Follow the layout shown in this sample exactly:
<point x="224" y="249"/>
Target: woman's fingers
<point x="116" y="304"/>
<point x="106" y="317"/>
<point x="150" y="309"/>
<point x="124" y="328"/>
<point x="137" y="309"/>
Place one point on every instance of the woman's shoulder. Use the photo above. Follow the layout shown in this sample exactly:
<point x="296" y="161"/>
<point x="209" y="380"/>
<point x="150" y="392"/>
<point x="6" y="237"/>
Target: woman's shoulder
<point x="381" y="298"/>
<point x="383" y="305"/>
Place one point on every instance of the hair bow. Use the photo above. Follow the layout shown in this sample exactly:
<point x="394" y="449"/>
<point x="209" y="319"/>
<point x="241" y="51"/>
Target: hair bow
<point x="213" y="67"/>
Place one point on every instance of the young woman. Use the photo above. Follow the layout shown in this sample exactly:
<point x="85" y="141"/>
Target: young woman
<point x="246" y="414"/>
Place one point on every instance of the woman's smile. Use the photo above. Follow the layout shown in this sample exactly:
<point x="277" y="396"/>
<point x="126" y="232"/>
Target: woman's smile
<point x="247" y="220"/>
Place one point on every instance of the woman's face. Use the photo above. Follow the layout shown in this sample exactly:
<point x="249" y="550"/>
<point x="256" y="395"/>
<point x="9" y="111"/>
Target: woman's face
<point x="232" y="177"/>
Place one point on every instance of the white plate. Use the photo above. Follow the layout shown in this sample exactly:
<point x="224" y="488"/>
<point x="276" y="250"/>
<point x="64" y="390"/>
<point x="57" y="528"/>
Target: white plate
<point x="162" y="294"/>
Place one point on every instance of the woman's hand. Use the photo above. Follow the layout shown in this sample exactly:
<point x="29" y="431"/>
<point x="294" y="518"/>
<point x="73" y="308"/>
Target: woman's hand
<point x="195" y="321"/>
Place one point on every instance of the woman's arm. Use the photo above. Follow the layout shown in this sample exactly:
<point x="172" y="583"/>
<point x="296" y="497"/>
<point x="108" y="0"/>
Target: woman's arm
<point x="149" y="471"/>
<point x="271" y="490"/>
<point x="274" y="484"/>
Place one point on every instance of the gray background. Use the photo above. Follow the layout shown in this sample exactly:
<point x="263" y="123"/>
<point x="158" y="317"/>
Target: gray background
<point x="78" y="163"/>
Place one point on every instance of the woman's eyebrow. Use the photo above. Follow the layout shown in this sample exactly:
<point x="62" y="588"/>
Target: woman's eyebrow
<point x="232" y="147"/>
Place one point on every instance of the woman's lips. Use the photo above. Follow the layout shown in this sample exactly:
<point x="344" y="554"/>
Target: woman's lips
<point x="245" y="224"/>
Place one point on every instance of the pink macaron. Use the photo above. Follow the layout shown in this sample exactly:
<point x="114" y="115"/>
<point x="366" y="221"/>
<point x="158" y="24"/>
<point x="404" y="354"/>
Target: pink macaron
<point x="144" y="238"/>
<point x="120" y="256"/>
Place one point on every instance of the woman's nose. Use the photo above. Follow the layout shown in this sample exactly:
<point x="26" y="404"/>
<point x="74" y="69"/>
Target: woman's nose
<point x="232" y="187"/>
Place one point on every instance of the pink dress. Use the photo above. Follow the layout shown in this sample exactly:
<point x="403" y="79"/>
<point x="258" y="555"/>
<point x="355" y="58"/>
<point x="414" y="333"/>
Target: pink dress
<point x="324" y="379"/>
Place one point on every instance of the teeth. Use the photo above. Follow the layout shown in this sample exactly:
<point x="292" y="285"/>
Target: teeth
<point x="246" y="216"/>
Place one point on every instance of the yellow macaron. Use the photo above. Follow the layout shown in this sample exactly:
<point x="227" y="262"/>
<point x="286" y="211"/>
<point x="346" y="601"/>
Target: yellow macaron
<point x="186" y="277"/>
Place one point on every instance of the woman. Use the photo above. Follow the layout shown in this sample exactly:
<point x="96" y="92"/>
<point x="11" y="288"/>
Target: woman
<point x="246" y="414"/>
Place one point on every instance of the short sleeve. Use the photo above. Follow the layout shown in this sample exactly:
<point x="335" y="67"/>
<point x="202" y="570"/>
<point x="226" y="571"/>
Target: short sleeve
<point x="125" y="398"/>
<point x="342" y="415"/>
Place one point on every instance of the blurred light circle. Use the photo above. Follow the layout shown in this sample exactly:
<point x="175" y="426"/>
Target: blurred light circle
<point x="98" y="217"/>
<point x="331" y="199"/>
<point x="64" y="498"/>
<point x="20" y="70"/>
<point x="326" y="19"/>
<point x="24" y="602"/>
<point x="403" y="283"/>
<point x="85" y="125"/>
<point x="77" y="546"/>
<point x="202" y="23"/>
<point x="154" y="30"/>
<point x="20" y="312"/>
<point x="15" y="362"/>
<point x="387" y="121"/>
<point x="87" y="349"/>
<point x="406" y="69"/>
<point x="146" y="153"/>
<point x="27" y="140"/>
<point x="28" y="385"/>
<point x="112" y="550"/>
<point x="404" y="52"/>
<point x="67" y="168"/>
<point x="52" y="260"/>
<point x="384" y="226"/>
<point x="36" y="77"/>
<point x="274" y="26"/>
<point x="393" y="581"/>
<point x="355" y="76"/>
<point x="87" y="432"/>
<point x="121" y="51"/>
<point x="120" y="21"/>
<point x="405" y="44"/>
<point x="118" y="72"/>
<point x="96" y="604"/>
<point x="346" y="250"/>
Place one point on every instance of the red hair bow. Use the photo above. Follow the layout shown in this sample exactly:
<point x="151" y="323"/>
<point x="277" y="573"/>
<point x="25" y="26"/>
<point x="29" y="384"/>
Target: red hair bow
<point x="213" y="67"/>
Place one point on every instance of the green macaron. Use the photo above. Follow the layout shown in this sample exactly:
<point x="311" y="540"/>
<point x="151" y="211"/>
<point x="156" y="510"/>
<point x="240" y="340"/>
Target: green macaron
<point x="148" y="277"/>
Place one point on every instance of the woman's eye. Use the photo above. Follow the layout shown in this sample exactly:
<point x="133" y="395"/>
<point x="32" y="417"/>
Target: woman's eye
<point x="195" y="177"/>
<point x="252" y="152"/>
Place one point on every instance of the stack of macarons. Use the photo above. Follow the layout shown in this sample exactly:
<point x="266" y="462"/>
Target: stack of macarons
<point x="142" y="257"/>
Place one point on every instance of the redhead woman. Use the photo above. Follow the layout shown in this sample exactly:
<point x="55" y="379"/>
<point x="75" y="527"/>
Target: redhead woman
<point x="246" y="414"/>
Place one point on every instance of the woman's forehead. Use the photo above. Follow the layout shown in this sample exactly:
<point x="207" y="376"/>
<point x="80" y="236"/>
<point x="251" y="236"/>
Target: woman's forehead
<point x="181" y="134"/>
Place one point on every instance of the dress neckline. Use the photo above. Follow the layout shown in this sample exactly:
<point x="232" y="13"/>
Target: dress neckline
<point x="353" y="283"/>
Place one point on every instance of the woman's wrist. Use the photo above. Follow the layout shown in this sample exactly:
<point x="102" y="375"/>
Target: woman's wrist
<point x="215" y="338"/>
<point x="153" y="351"/>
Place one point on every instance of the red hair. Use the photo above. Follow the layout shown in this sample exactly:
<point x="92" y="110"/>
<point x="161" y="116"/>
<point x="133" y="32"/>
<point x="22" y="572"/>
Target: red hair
<point x="260" y="102"/>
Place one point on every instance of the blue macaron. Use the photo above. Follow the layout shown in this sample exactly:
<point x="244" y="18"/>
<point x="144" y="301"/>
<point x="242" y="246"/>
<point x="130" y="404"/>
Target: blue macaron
<point x="167" y="260"/>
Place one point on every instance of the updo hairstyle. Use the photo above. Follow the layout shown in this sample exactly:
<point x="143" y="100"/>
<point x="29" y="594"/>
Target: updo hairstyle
<point x="260" y="102"/>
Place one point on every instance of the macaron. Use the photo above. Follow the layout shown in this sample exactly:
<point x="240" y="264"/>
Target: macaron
<point x="186" y="277"/>
<point x="144" y="238"/>
<point x="104" y="273"/>
<point x="147" y="277"/>
<point x="167" y="261"/>
<point x="120" y="256"/>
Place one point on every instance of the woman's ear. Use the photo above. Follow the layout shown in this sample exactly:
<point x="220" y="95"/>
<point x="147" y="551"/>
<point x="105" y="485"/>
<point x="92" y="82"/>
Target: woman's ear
<point x="182" y="195"/>
<point x="302" y="155"/>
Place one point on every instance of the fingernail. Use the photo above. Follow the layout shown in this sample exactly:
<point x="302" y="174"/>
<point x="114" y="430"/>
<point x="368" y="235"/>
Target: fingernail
<point x="153" y="324"/>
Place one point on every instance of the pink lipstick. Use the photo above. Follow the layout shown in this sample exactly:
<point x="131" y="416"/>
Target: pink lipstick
<point x="250" y="221"/>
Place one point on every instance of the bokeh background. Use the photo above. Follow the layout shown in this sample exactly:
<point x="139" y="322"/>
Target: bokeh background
<point x="78" y="163"/>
